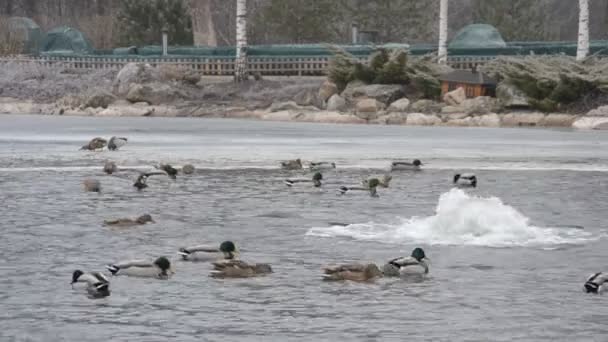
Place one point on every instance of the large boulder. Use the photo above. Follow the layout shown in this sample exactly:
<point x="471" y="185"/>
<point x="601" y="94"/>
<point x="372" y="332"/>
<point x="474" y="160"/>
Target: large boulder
<point x="336" y="103"/>
<point x="98" y="98"/>
<point x="481" y="105"/>
<point x="327" y="89"/>
<point x="385" y="93"/>
<point x="420" y="119"/>
<point x="281" y="106"/>
<point x="591" y="122"/>
<point x="127" y="111"/>
<point x="522" y="119"/>
<point x="454" y="110"/>
<point x="309" y="97"/>
<point x="426" y="106"/>
<point x="510" y="96"/>
<point x="455" y="97"/>
<point x="487" y="120"/>
<point x="397" y="118"/>
<point x="330" y="117"/>
<point x="400" y="105"/>
<point x="154" y="93"/>
<point x="600" y="111"/>
<point x="133" y="73"/>
<point x="368" y="108"/>
<point x="558" y="120"/>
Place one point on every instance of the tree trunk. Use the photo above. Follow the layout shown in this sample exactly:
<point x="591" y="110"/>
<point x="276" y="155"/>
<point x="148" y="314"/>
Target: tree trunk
<point x="583" y="30"/>
<point x="443" y="32"/>
<point x="203" y="25"/>
<point x="240" y="72"/>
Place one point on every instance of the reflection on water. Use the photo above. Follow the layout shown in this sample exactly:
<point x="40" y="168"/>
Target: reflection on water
<point x="525" y="291"/>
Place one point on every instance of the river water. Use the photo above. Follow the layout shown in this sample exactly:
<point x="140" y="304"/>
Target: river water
<point x="508" y="259"/>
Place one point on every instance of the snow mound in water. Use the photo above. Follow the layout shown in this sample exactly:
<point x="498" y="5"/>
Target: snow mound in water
<point x="461" y="219"/>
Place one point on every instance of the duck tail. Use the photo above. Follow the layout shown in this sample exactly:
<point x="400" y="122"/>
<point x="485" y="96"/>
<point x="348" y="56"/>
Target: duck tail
<point x="113" y="269"/>
<point x="343" y="190"/>
<point x="183" y="253"/>
<point x="288" y="182"/>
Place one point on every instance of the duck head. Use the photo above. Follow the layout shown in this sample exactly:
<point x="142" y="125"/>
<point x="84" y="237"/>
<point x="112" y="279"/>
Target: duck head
<point x="372" y="183"/>
<point x="316" y="179"/>
<point x="417" y="162"/>
<point x="229" y="249"/>
<point x="143" y="219"/>
<point x="418" y="254"/>
<point x="456" y="177"/>
<point x="163" y="263"/>
<point x="75" y="276"/>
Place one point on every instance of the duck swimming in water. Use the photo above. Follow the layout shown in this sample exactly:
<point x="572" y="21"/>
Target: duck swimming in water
<point x="227" y="250"/>
<point x="465" y="180"/>
<point x="292" y="164"/>
<point x="353" y="272"/>
<point x="97" y="285"/>
<point x="383" y="181"/>
<point x="159" y="268"/>
<point x="406" y="166"/>
<point x="371" y="187"/>
<point x="169" y="170"/>
<point x="127" y="222"/>
<point x="142" y="180"/>
<point x="316" y="180"/>
<point x="233" y="268"/>
<point x="188" y="169"/>
<point x="318" y="166"/>
<point x="116" y="142"/>
<point x="110" y="167"/>
<point x="91" y="185"/>
<point x="416" y="264"/>
<point x="595" y="283"/>
<point x="95" y="144"/>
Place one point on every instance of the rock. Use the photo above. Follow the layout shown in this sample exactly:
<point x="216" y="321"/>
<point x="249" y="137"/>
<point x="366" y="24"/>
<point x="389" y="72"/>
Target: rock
<point x="154" y="93"/>
<point x="336" y="103"/>
<point x="385" y="93"/>
<point x="461" y="122"/>
<point x="282" y="106"/>
<point x="455" y="97"/>
<point x="126" y="111"/>
<point x="454" y="110"/>
<point x="558" y="120"/>
<point x="480" y="105"/>
<point x="70" y="101"/>
<point x="395" y="118"/>
<point x="347" y="93"/>
<point x="188" y="169"/>
<point x="133" y="73"/>
<point x="600" y="111"/>
<point x="591" y="122"/>
<point x="510" y="96"/>
<point x="522" y="119"/>
<point x="98" y="98"/>
<point x="420" y="119"/>
<point x="327" y="89"/>
<point x="426" y="106"/>
<point x="487" y="120"/>
<point x="400" y="105"/>
<point x="308" y="97"/>
<point x="284" y="115"/>
<point x="368" y="108"/>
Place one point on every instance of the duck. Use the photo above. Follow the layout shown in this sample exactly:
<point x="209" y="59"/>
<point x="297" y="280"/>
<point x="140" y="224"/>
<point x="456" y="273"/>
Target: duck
<point x="383" y="181"/>
<point x="465" y="180"/>
<point x="110" y="167"/>
<point x="234" y="268"/>
<point x="354" y="272"/>
<point x="188" y="169"/>
<point x="595" y="283"/>
<point x="227" y="250"/>
<point x="95" y="144"/>
<point x="415" y="264"/>
<point x="169" y="170"/>
<point x="116" y="142"/>
<point x="159" y="268"/>
<point x="142" y="180"/>
<point x="318" y="166"/>
<point x="316" y="180"/>
<point x="403" y="165"/>
<point x="295" y="164"/>
<point x="91" y="185"/>
<point x="371" y="187"/>
<point x="127" y="222"/>
<point x="97" y="285"/>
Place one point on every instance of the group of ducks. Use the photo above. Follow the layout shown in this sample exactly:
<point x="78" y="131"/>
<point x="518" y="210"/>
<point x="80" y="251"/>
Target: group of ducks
<point x="226" y="264"/>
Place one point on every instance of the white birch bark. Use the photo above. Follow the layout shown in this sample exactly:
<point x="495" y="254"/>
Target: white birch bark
<point x="443" y="32"/>
<point x="240" y="72"/>
<point x="583" y="30"/>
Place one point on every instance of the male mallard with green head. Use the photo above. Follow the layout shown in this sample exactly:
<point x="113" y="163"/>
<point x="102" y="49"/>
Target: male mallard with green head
<point x="316" y="180"/>
<point x="227" y="250"/>
<point x="159" y="268"/>
<point x="417" y="263"/>
<point x="96" y="284"/>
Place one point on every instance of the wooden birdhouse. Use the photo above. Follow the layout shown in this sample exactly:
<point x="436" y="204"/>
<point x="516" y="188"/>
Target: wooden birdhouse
<point x="474" y="83"/>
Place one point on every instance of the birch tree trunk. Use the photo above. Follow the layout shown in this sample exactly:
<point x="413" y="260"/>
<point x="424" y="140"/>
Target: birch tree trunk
<point x="240" y="72"/>
<point x="203" y="26"/>
<point x="583" y="30"/>
<point x="443" y="32"/>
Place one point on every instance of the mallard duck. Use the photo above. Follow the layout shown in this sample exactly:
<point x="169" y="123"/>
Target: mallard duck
<point x="316" y="180"/>
<point x="169" y="170"/>
<point x="404" y="166"/>
<point x="318" y="166"/>
<point x="227" y="250"/>
<point x="116" y="142"/>
<point x="127" y="222"/>
<point x="159" y="268"/>
<point x="292" y="164"/>
<point x="95" y="144"/>
<point x="465" y="180"/>
<point x="91" y="185"/>
<point x="188" y="169"/>
<point x="371" y="187"/>
<point x="383" y="182"/>
<point x="417" y="263"/>
<point x="234" y="268"/>
<point x="142" y="179"/>
<point x="97" y="285"/>
<point x="595" y="283"/>
<point x="110" y="167"/>
<point x="354" y="272"/>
